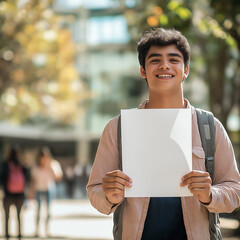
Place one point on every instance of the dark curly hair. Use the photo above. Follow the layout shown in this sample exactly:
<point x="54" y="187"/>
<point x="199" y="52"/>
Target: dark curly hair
<point x="163" y="37"/>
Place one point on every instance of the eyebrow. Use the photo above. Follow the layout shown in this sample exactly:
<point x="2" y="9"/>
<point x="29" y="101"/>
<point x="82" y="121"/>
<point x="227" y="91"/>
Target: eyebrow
<point x="160" y="55"/>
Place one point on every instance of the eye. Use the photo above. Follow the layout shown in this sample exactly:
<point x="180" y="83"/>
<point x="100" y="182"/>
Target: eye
<point x="154" y="60"/>
<point x="174" y="60"/>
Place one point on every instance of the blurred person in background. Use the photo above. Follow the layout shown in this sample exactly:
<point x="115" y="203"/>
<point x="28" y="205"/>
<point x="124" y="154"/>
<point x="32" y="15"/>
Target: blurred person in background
<point x="14" y="178"/>
<point x="70" y="180"/>
<point x="43" y="178"/>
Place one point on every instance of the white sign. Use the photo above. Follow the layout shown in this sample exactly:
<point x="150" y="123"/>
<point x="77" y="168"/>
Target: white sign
<point x="156" y="151"/>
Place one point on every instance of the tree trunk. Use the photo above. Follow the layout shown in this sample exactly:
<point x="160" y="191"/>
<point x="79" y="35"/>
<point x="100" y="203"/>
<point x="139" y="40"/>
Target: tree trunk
<point x="218" y="99"/>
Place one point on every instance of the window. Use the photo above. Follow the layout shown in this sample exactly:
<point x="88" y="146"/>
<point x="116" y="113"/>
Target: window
<point x="64" y="5"/>
<point x="100" y="4"/>
<point x="72" y="4"/>
<point x="108" y="29"/>
<point x="130" y="3"/>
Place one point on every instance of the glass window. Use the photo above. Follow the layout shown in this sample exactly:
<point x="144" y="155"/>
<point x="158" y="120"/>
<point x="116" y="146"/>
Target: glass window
<point x="99" y="4"/>
<point x="109" y="29"/>
<point x="63" y="5"/>
<point x="130" y="3"/>
<point x="67" y="5"/>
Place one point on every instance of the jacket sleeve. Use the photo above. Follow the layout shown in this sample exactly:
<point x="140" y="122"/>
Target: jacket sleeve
<point x="107" y="159"/>
<point x="226" y="188"/>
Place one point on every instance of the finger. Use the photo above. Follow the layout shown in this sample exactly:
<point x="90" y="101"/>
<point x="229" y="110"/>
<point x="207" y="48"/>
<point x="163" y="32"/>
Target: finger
<point x="113" y="185"/>
<point x="197" y="180"/>
<point x="114" y="195"/>
<point x="113" y="191"/>
<point x="195" y="173"/>
<point x="199" y="186"/>
<point x="114" y="179"/>
<point x="121" y="177"/>
<point x="120" y="174"/>
<point x="199" y="192"/>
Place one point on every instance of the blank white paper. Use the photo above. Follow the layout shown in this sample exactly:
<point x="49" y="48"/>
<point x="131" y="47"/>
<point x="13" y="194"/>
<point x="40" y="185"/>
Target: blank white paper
<point x="156" y="151"/>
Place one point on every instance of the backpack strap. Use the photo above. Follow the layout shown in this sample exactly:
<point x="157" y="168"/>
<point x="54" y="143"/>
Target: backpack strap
<point x="118" y="214"/>
<point x="119" y="140"/>
<point x="207" y="134"/>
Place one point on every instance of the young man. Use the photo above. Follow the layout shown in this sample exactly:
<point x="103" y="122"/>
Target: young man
<point x="164" y="57"/>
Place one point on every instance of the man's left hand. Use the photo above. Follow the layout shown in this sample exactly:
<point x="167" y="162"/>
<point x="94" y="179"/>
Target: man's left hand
<point x="199" y="184"/>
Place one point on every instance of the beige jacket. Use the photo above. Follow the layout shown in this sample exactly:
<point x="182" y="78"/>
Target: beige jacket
<point x="225" y="192"/>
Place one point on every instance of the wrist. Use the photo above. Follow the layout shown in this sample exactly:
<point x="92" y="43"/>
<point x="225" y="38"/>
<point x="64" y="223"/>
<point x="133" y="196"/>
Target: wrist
<point x="207" y="202"/>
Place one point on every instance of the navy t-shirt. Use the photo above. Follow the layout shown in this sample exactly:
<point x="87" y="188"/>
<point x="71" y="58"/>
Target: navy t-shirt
<point x="164" y="220"/>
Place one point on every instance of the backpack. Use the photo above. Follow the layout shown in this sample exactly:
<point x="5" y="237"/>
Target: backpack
<point x="207" y="133"/>
<point x="15" y="180"/>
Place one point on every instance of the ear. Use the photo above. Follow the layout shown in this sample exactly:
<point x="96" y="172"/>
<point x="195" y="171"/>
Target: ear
<point x="186" y="71"/>
<point x="143" y="72"/>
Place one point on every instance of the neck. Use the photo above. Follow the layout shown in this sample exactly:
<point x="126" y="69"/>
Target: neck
<point x="165" y="102"/>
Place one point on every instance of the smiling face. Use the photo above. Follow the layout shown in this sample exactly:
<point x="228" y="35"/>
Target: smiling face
<point x="164" y="69"/>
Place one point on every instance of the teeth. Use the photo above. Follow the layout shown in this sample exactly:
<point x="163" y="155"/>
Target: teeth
<point x="165" y="75"/>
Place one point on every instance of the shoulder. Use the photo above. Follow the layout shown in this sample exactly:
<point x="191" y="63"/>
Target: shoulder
<point x="217" y="122"/>
<point x="200" y="111"/>
<point x="221" y="132"/>
<point x="111" y="126"/>
<point x="113" y="122"/>
<point x="109" y="134"/>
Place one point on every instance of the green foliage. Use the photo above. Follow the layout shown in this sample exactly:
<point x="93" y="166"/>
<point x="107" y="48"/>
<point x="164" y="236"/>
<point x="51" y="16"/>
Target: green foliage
<point x="213" y="30"/>
<point x="37" y="65"/>
<point x="163" y="20"/>
<point x="159" y="13"/>
<point x="183" y="13"/>
<point x="227" y="13"/>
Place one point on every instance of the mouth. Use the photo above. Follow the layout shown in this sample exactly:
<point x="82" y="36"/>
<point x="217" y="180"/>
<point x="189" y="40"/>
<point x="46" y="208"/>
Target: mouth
<point x="164" y="76"/>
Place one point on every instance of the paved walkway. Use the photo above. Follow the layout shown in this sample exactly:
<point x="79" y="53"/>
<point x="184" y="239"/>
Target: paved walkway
<point x="70" y="219"/>
<point x="77" y="220"/>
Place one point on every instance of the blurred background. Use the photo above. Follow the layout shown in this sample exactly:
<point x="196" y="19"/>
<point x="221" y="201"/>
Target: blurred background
<point x="68" y="67"/>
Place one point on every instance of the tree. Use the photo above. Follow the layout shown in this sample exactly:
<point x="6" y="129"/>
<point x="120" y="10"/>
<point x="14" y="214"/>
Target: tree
<point x="227" y="15"/>
<point x="212" y="28"/>
<point x="38" y="78"/>
<point x="165" y="13"/>
<point x="220" y="26"/>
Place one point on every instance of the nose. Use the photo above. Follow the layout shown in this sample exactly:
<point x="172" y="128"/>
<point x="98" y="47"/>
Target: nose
<point x="164" y="65"/>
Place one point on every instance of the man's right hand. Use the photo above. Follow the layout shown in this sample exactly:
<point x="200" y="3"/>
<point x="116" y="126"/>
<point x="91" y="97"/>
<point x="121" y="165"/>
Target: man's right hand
<point x="114" y="183"/>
